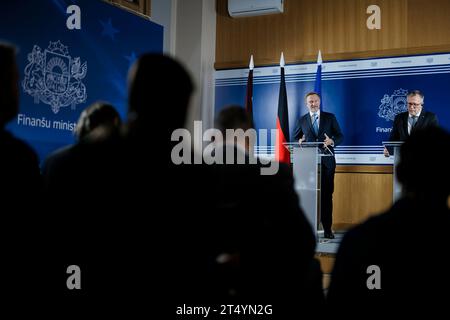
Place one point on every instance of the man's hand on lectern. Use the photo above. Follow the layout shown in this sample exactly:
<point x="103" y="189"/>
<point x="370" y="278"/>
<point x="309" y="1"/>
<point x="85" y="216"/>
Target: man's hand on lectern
<point x="302" y="139"/>
<point x="328" y="141"/>
<point x="386" y="152"/>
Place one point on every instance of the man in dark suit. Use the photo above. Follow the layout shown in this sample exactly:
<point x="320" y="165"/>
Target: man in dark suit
<point x="321" y="126"/>
<point x="413" y="119"/>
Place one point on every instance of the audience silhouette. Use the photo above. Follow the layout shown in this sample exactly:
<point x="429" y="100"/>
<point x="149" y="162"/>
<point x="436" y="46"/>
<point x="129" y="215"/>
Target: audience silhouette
<point x="406" y="243"/>
<point x="255" y="243"/>
<point x="19" y="164"/>
<point x="98" y="121"/>
<point x="114" y="191"/>
<point x="139" y="226"/>
<point x="21" y="194"/>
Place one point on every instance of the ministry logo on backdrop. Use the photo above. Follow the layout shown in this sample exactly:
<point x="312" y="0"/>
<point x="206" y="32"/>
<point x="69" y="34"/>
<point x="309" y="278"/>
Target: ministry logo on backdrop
<point x="392" y="105"/>
<point x="54" y="77"/>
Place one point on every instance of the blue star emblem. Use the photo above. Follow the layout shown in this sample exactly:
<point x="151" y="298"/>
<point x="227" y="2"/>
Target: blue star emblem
<point x="108" y="29"/>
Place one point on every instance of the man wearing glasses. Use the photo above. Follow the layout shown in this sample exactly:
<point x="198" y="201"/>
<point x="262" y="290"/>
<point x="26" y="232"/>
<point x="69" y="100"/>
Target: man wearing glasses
<point x="415" y="118"/>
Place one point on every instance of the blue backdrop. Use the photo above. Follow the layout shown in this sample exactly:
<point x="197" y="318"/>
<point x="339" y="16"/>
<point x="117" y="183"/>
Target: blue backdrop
<point x="63" y="70"/>
<point x="365" y="95"/>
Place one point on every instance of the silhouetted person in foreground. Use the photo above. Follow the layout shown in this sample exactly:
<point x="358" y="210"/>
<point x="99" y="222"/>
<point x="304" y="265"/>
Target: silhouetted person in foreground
<point x="250" y="239"/>
<point x="19" y="167"/>
<point x="98" y="121"/>
<point x="112" y="199"/>
<point x="403" y="246"/>
<point x="21" y="193"/>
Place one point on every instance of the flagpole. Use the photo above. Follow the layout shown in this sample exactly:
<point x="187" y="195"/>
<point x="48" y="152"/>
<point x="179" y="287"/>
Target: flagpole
<point x="249" y="94"/>
<point x="318" y="83"/>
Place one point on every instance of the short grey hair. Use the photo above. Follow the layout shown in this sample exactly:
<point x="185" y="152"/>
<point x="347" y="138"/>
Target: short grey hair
<point x="416" y="93"/>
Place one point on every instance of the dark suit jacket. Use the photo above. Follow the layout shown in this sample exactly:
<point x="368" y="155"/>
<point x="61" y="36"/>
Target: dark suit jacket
<point x="400" y="127"/>
<point x="327" y="125"/>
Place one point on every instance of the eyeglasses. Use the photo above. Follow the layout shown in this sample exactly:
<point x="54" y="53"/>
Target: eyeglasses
<point x="414" y="104"/>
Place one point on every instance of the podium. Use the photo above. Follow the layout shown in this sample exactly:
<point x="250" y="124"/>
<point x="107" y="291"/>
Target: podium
<point x="394" y="149"/>
<point x="307" y="159"/>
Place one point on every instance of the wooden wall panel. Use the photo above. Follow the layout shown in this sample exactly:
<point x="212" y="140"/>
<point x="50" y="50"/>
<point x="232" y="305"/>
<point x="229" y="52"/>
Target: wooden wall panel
<point x="428" y="23"/>
<point x="261" y="36"/>
<point x="359" y="193"/>
<point x="337" y="27"/>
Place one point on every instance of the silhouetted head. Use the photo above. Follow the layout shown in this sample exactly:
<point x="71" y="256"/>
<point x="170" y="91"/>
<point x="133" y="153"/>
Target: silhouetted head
<point x="233" y="117"/>
<point x="9" y="90"/>
<point x="423" y="168"/>
<point x="97" y="115"/>
<point x="159" y="92"/>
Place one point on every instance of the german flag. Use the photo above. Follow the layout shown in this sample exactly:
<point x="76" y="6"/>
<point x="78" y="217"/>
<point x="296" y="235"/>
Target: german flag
<point x="282" y="153"/>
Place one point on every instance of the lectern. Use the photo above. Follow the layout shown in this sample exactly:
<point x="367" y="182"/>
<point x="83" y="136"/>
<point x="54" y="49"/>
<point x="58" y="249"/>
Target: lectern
<point x="307" y="159"/>
<point x="394" y="149"/>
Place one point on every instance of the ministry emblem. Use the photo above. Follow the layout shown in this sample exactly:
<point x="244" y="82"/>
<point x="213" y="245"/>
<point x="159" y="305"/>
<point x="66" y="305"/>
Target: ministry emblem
<point x="392" y="105"/>
<point x="54" y="77"/>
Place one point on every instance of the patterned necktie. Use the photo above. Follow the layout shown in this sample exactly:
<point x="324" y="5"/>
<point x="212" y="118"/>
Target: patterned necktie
<point x="413" y="123"/>
<point x="316" y="124"/>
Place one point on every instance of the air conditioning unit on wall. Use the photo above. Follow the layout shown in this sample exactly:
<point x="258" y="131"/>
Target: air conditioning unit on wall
<point x="248" y="8"/>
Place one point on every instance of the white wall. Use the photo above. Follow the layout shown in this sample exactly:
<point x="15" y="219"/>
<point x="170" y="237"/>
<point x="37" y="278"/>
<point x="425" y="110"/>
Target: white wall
<point x="161" y="13"/>
<point x="190" y="36"/>
<point x="208" y="57"/>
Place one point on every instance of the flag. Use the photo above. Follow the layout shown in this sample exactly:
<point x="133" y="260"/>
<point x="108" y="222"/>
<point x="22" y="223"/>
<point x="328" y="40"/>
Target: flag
<point x="282" y="153"/>
<point x="318" y="84"/>
<point x="249" y="95"/>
